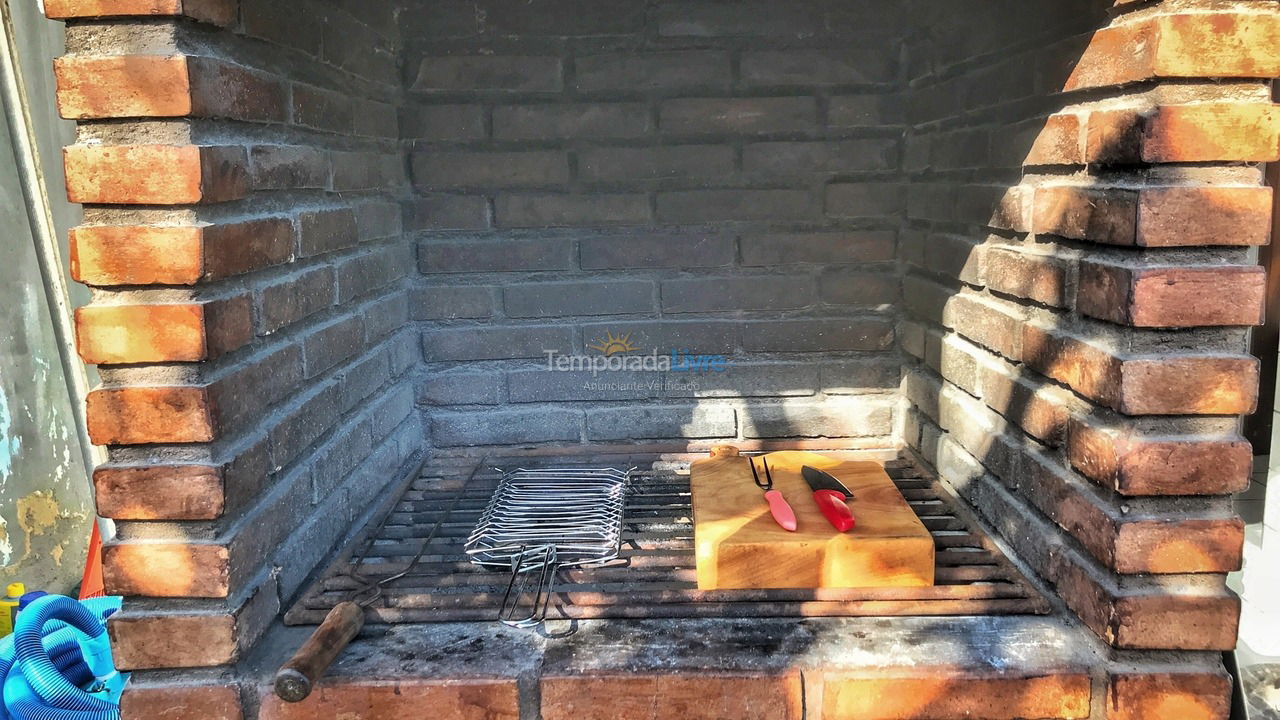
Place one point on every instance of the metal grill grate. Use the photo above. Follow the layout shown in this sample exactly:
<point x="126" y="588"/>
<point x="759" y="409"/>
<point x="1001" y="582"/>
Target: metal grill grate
<point x="654" y="573"/>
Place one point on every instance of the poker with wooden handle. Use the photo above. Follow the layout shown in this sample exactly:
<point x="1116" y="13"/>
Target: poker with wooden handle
<point x="296" y="677"/>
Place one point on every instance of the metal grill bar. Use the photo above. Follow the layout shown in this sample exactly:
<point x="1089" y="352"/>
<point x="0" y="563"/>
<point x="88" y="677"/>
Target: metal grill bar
<point x="653" y="575"/>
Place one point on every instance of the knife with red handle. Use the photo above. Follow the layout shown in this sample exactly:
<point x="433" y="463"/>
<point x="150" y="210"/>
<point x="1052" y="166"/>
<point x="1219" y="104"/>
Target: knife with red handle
<point x="830" y="494"/>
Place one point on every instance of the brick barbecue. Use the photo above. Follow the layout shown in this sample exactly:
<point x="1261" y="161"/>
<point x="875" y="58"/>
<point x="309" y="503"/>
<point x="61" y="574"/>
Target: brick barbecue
<point x="334" y="246"/>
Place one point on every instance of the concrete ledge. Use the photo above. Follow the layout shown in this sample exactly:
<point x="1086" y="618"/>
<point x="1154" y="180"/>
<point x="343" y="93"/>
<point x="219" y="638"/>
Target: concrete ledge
<point x="826" y="668"/>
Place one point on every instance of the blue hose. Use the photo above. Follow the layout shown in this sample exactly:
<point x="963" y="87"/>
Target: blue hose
<point x="58" y="650"/>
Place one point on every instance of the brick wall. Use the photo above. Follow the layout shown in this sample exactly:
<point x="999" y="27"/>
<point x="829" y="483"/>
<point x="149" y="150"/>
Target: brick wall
<point x="706" y="177"/>
<point x="241" y="176"/>
<point x="1078" y="288"/>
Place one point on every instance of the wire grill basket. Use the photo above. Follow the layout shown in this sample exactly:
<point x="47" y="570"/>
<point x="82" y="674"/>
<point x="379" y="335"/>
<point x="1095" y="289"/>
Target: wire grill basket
<point x="541" y="520"/>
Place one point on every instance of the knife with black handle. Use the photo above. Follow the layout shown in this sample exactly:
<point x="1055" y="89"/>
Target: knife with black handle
<point x="830" y="494"/>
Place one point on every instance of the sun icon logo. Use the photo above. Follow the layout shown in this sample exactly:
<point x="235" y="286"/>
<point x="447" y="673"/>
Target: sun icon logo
<point x="612" y="345"/>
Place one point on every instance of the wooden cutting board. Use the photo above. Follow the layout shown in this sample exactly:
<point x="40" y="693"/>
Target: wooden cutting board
<point x="740" y="546"/>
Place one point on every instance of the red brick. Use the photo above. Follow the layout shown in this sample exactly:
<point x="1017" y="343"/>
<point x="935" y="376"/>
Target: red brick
<point x="1105" y="291"/>
<point x="1189" y="385"/>
<point x="1144" y="385"/>
<point x="1158" y="618"/>
<point x="1170" y="546"/>
<point x="1041" y="277"/>
<point x="1115" y="56"/>
<point x="221" y="89"/>
<point x="107" y="255"/>
<point x="1040" y="409"/>
<point x="240" y="398"/>
<point x="1125" y="543"/>
<point x="1210" y="215"/>
<point x="191" y="634"/>
<point x="323" y="109"/>
<point x="180" y="702"/>
<point x="1172" y="296"/>
<point x="172" y="640"/>
<point x="107" y="334"/>
<point x="1142" y="695"/>
<point x="125" y="86"/>
<point x="1050" y="489"/>
<point x="1167" y="621"/>
<point x="979" y="203"/>
<point x="365" y="171"/>
<point x="392" y="699"/>
<point x="216" y="12"/>
<point x="296" y="297"/>
<point x="289" y="167"/>
<point x="1173" y="613"/>
<point x="1212" y="132"/>
<point x="990" y="323"/>
<point x="1134" y="464"/>
<point x="1013" y="210"/>
<point x="1202" y="132"/>
<point x="155" y="174"/>
<point x="321" y="231"/>
<point x="1229" y="45"/>
<point x="144" y="415"/>
<point x="909" y="694"/>
<point x="1085" y="368"/>
<point x="1059" y="142"/>
<point x="1196" y="296"/>
<point x="690" y="696"/>
<point x="954" y="358"/>
<point x="1113" y="136"/>
<point x="159" y="492"/>
<point x="1105" y="215"/>
<point x="977" y="429"/>
<point x="161" y="569"/>
<point x="137" y="255"/>
<point x="1191" y="45"/>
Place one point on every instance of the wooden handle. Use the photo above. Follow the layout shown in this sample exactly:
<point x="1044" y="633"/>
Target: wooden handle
<point x="295" y="678"/>
<point x="724" y="451"/>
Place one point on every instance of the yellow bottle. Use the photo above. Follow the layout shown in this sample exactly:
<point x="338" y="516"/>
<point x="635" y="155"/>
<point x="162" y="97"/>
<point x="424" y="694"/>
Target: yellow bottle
<point x="9" y="606"/>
